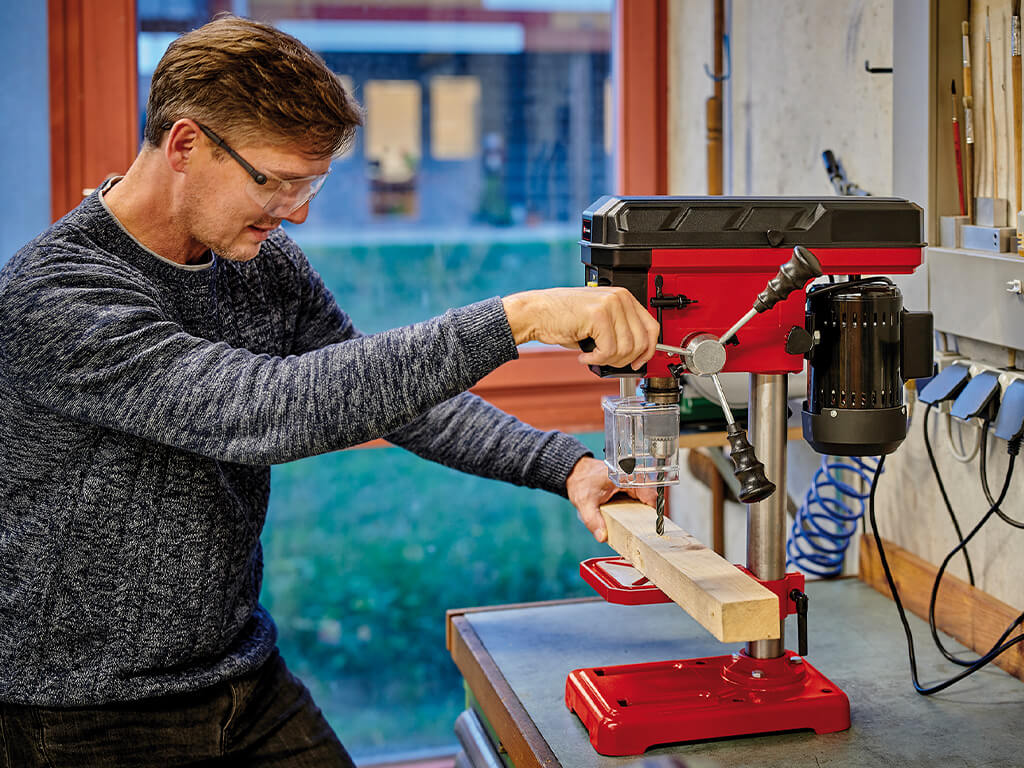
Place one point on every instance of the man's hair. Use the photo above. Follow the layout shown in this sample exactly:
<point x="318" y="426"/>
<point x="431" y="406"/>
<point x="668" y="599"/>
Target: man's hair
<point x="251" y="83"/>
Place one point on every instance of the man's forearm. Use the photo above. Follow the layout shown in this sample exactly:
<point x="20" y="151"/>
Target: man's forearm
<point x="469" y="434"/>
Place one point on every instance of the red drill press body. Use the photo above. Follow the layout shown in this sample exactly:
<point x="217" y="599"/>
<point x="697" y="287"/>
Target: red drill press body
<point x="721" y="252"/>
<point x="704" y="261"/>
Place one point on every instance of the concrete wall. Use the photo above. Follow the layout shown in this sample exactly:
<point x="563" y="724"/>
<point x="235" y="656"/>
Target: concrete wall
<point x="797" y="87"/>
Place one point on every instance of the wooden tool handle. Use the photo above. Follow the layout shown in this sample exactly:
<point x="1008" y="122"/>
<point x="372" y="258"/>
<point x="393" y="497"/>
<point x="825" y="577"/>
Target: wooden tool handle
<point x="1016" y="68"/>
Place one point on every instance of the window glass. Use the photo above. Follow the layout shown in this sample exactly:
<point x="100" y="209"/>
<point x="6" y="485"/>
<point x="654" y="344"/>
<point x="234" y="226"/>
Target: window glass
<point x="485" y="137"/>
<point x="25" y="92"/>
<point x="454" y="117"/>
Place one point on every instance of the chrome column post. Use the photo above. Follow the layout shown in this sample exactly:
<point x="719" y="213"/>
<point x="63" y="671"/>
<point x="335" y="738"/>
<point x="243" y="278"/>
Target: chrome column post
<point x="766" y="520"/>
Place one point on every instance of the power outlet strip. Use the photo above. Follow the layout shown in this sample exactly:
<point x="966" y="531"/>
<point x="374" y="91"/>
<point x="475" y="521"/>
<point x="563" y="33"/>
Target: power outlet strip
<point x="945" y="359"/>
<point x="942" y="361"/>
<point x="1006" y="378"/>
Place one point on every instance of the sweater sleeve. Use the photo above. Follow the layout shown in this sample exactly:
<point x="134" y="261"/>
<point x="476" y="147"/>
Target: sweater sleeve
<point x="465" y="433"/>
<point x="96" y="346"/>
<point x="469" y="434"/>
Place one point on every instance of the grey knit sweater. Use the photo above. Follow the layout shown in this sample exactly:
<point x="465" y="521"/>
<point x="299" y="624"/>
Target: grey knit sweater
<point x="141" y="404"/>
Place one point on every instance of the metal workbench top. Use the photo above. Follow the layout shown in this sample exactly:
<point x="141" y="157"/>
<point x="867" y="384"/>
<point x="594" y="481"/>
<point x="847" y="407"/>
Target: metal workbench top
<point x="516" y="660"/>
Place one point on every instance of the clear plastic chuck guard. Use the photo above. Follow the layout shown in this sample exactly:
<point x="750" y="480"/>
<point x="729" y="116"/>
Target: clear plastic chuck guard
<point x="641" y="441"/>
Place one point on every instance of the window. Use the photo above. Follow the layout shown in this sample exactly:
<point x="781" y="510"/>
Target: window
<point x="23" y="92"/>
<point x="485" y="138"/>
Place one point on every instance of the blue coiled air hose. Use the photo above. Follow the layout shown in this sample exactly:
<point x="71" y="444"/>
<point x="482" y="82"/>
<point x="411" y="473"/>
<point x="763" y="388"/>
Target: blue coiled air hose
<point x="827" y="518"/>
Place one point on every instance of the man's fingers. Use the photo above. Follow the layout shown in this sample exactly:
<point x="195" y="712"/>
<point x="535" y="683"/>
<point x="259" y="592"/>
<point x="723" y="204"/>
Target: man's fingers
<point x="591" y="517"/>
<point x="624" y="332"/>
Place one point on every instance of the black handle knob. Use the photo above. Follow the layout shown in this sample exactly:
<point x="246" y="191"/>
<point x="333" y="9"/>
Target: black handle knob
<point x="754" y="486"/>
<point x="801" y="601"/>
<point x="793" y="275"/>
<point x="798" y="341"/>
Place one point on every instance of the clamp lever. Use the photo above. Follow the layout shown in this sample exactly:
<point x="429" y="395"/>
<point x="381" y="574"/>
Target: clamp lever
<point x="801" y="601"/>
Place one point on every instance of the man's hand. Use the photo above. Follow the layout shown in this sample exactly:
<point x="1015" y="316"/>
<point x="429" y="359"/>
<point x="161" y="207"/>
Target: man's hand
<point x="589" y="487"/>
<point x="623" y="331"/>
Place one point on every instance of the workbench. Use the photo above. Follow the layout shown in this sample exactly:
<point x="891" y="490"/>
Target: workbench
<point x="515" y="660"/>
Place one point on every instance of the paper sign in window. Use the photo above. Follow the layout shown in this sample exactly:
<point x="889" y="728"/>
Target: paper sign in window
<point x="394" y="141"/>
<point x="454" y="108"/>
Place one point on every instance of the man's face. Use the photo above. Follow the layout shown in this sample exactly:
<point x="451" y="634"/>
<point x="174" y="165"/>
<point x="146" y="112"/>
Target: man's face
<point x="224" y="206"/>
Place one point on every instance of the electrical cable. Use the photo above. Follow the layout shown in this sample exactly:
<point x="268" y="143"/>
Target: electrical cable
<point x="963" y="458"/>
<point x="993" y="507"/>
<point x="975" y="666"/>
<point x="984" y="482"/>
<point x="945" y="496"/>
<point x="825" y="522"/>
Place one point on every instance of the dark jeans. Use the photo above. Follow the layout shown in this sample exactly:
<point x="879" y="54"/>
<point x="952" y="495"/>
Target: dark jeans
<point x="265" y="719"/>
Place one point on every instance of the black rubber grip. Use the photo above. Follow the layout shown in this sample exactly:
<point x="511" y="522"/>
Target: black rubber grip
<point x="754" y="486"/>
<point x="792" y="276"/>
<point x="588" y="344"/>
<point x="801" y="601"/>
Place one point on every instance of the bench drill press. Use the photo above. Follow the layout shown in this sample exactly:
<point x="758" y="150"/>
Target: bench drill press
<point x="725" y="278"/>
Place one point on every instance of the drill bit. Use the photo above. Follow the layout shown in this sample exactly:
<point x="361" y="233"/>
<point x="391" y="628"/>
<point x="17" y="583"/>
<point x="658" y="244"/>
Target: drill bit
<point x="659" y="525"/>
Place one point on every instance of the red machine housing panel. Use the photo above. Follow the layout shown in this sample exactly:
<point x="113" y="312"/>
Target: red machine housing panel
<point x="725" y="283"/>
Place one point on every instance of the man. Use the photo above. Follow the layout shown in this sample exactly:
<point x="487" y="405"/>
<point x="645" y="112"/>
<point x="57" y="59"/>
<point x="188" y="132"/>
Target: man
<point x="160" y="347"/>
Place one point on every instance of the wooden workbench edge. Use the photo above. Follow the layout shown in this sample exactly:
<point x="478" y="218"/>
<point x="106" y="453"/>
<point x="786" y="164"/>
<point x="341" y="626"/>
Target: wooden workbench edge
<point x="972" y="616"/>
<point x="517" y="733"/>
<point x="453" y="612"/>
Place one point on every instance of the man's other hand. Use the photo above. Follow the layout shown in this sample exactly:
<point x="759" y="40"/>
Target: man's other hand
<point x="623" y="331"/>
<point x="589" y="487"/>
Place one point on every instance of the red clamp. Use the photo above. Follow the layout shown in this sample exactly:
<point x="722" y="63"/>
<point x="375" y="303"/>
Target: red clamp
<point x="783" y="589"/>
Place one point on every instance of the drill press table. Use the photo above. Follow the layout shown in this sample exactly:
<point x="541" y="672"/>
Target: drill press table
<point x="515" y="660"/>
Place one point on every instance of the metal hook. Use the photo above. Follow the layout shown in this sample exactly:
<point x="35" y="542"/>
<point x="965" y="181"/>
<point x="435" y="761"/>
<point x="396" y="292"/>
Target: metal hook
<point x="728" y="63"/>
<point x="876" y="70"/>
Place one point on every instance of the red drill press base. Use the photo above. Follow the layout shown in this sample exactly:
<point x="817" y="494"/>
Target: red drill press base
<point x="630" y="708"/>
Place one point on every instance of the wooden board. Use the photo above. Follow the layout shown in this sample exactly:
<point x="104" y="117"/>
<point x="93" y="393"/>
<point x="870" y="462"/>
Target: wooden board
<point x="972" y="616"/>
<point x="721" y="598"/>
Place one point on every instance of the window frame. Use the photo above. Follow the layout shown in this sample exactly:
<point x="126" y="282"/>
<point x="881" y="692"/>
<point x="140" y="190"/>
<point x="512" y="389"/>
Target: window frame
<point x="93" y="95"/>
<point x="94" y="134"/>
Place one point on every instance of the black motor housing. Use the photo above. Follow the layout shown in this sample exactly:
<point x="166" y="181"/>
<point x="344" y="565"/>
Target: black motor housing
<point x="866" y="346"/>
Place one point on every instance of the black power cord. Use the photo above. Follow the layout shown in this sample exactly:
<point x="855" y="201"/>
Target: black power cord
<point x="984" y="482"/>
<point x="999" y="648"/>
<point x="945" y="497"/>
<point x="1013" y="449"/>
